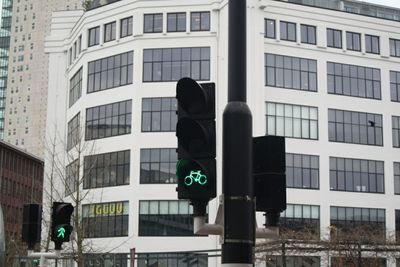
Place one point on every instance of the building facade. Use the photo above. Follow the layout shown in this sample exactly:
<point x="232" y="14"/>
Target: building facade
<point x="328" y="82"/>
<point x="21" y="182"/>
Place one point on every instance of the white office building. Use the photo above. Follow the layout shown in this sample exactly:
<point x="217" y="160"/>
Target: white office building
<point x="324" y="74"/>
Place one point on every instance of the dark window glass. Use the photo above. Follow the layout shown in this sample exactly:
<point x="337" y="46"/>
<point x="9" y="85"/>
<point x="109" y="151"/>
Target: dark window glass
<point x="103" y="260"/>
<point x="372" y="44"/>
<point x="72" y="179"/>
<point x="353" y="41"/>
<point x="171" y="64"/>
<point x="308" y="34"/>
<point x="176" y="22"/>
<point x="126" y="27"/>
<point x="395" y="86"/>
<point x="73" y="132"/>
<point x="109" y="169"/>
<point x="352" y="80"/>
<point x="356" y="175"/>
<point x="397" y="225"/>
<point x="365" y="262"/>
<point x="355" y="127"/>
<point x="302" y="171"/>
<point x="108" y="120"/>
<point x="75" y="87"/>
<point x="396" y="131"/>
<point x="300" y="218"/>
<point x="110" y="31"/>
<point x="288" y="31"/>
<point x="165" y="218"/>
<point x="270" y="28"/>
<point x="110" y="72"/>
<point x="291" y="72"/>
<point x="200" y="21"/>
<point x="153" y="23"/>
<point x="159" y="114"/>
<point x="396" y="172"/>
<point x="334" y="38"/>
<point x="292" y="120"/>
<point x="172" y="259"/>
<point x="94" y="36"/>
<point x="394" y="47"/>
<point x="105" y="219"/>
<point x="158" y="166"/>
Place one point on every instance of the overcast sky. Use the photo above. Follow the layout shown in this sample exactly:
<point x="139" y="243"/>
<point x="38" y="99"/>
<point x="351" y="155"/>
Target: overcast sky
<point x="393" y="3"/>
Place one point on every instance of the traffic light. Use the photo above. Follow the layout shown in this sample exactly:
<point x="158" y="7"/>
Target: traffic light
<point x="269" y="167"/>
<point x="61" y="227"/>
<point x="31" y="224"/>
<point x="195" y="130"/>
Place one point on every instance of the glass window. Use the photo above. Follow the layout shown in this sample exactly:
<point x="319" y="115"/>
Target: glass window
<point x="159" y="114"/>
<point x="288" y="31"/>
<point x="290" y="72"/>
<point x="176" y="22"/>
<point x="110" y="72"/>
<point x="395" y="86"/>
<point x="302" y="171"/>
<point x="158" y="166"/>
<point x="334" y="38"/>
<point x="153" y="23"/>
<point x="303" y="218"/>
<point x="371" y="44"/>
<point x="108" y="120"/>
<point x="110" y="31"/>
<point x="396" y="172"/>
<point x="292" y="120"/>
<point x="270" y="28"/>
<point x="105" y="260"/>
<point x="172" y="259"/>
<point x="73" y="133"/>
<point x="126" y="27"/>
<point x="396" y="131"/>
<point x="308" y="34"/>
<point x="394" y="47"/>
<point x="94" y="36"/>
<point x="171" y="64"/>
<point x="75" y="87"/>
<point x="72" y="178"/>
<point x="353" y="41"/>
<point x="352" y="80"/>
<point x="200" y="21"/>
<point x="292" y="261"/>
<point x="355" y="127"/>
<point x="397" y="214"/>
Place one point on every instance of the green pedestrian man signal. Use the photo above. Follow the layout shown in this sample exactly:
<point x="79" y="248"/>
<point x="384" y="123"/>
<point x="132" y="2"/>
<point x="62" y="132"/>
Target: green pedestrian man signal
<point x="61" y="232"/>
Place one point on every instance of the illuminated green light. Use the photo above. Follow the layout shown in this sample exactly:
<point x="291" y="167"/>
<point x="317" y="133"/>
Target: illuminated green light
<point x="61" y="232"/>
<point x="35" y="261"/>
<point x="195" y="177"/>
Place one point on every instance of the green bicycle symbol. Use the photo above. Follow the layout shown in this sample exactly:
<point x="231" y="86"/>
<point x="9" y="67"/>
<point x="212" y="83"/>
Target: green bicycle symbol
<point x="195" y="176"/>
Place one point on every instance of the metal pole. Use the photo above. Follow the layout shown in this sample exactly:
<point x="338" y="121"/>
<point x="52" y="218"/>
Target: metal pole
<point x="239" y="209"/>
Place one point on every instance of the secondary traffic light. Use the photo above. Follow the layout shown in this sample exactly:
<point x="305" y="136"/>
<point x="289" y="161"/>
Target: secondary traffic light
<point x="195" y="130"/>
<point x="61" y="227"/>
<point x="31" y="224"/>
<point x="269" y="167"/>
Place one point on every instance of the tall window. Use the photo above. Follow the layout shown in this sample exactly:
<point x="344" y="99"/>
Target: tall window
<point x="396" y="131"/>
<point x="200" y="21"/>
<point x="176" y="22"/>
<point x="291" y="72"/>
<point x="73" y="133"/>
<point x="126" y="27"/>
<point x="108" y="120"/>
<point x="394" y="47"/>
<point x="395" y="86"/>
<point x="372" y="44"/>
<point x="94" y="36"/>
<point x="153" y="23"/>
<point x="288" y="31"/>
<point x="308" y="34"/>
<point x="108" y="169"/>
<point x="353" y="41"/>
<point x="396" y="173"/>
<point x="105" y="219"/>
<point x="171" y="64"/>
<point x="172" y="259"/>
<point x="110" y="72"/>
<point x="352" y="80"/>
<point x="107" y="259"/>
<point x="159" y="114"/>
<point x="292" y="261"/>
<point x="292" y="120"/>
<point x="302" y="171"/>
<point x="356" y="175"/>
<point x="270" y="28"/>
<point x="110" y="31"/>
<point x="165" y="218"/>
<point x="71" y="177"/>
<point x="75" y="87"/>
<point x="397" y="226"/>
<point x="334" y="38"/>
<point x="158" y="165"/>
<point x="300" y="218"/>
<point x="355" y="127"/>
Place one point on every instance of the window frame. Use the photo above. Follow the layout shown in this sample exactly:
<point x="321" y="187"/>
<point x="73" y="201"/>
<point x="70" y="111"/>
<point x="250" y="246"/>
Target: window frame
<point x="75" y="87"/>
<point x="371" y="42"/>
<point x="129" y="27"/>
<point x="307" y="37"/>
<point x="396" y="178"/>
<point x="307" y="168"/>
<point x="96" y="38"/>
<point x="171" y="111"/>
<point x="394" y="86"/>
<point x="394" y="46"/>
<point x="334" y="40"/>
<point x="155" y="17"/>
<point x="151" y="160"/>
<point x="285" y="37"/>
<point x="176" y="27"/>
<point x="201" y="18"/>
<point x="112" y="28"/>
<point x="352" y="46"/>
<point x="267" y="35"/>
<point x="396" y="131"/>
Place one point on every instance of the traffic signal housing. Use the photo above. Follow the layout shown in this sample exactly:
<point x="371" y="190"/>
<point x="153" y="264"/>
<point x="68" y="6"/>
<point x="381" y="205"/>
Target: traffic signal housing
<point x="195" y="131"/>
<point x="61" y="227"/>
<point x="31" y="224"/>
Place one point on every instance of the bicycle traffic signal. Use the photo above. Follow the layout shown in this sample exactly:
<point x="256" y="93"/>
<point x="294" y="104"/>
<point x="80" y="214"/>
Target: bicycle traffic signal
<point x="195" y="130"/>
<point x="61" y="227"/>
<point x="31" y="224"/>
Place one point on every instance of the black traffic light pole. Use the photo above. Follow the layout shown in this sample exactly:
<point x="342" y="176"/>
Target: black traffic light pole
<point x="239" y="209"/>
